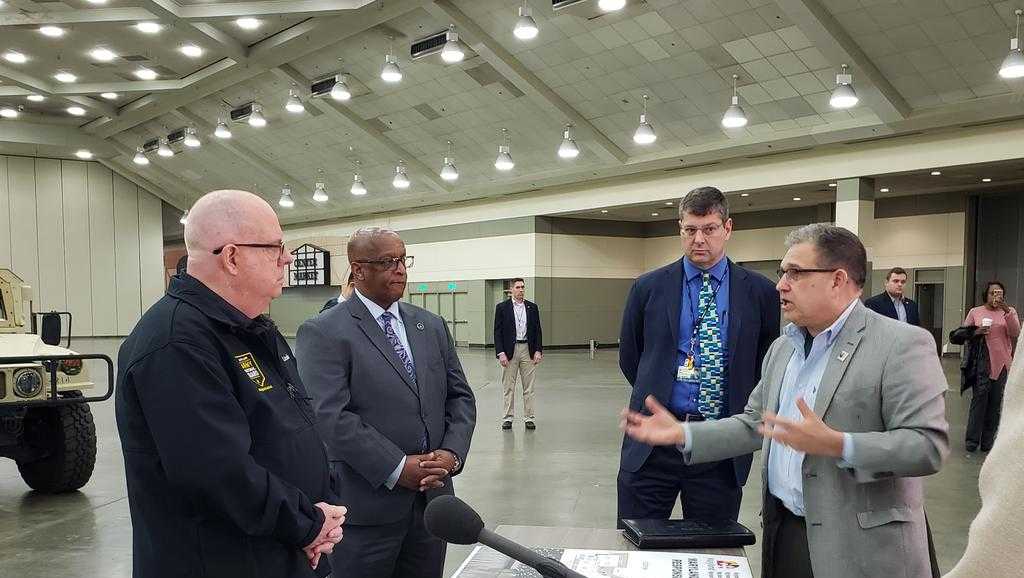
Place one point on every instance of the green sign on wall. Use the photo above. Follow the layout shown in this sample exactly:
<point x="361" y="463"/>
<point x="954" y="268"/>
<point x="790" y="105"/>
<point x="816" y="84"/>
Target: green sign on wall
<point x="453" y="286"/>
<point x="423" y="287"/>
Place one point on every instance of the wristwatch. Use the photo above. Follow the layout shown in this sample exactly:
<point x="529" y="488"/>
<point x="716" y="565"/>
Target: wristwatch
<point x="458" y="462"/>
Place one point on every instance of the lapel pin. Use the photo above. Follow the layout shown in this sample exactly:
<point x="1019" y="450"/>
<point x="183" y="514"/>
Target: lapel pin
<point x="843" y="355"/>
<point x="419" y="325"/>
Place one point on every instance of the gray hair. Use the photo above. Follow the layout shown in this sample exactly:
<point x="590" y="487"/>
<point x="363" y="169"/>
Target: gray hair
<point x="837" y="248"/>
<point x="704" y="200"/>
<point x="364" y="240"/>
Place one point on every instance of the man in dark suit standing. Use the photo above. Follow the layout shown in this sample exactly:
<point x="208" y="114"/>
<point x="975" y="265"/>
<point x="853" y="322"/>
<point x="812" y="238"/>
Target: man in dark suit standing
<point x="891" y="302"/>
<point x="694" y="333"/>
<point x="394" y="410"/>
<point x="518" y="345"/>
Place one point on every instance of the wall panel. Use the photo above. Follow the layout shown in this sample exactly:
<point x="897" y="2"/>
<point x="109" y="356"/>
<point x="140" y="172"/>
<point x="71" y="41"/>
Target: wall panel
<point x="5" y="216"/>
<point x="151" y="248"/>
<point x="77" y="244"/>
<point x="127" y="270"/>
<point x="21" y="178"/>
<point x="101" y="243"/>
<point x="52" y="293"/>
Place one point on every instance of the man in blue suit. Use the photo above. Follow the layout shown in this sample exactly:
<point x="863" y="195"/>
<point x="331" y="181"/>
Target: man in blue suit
<point x="891" y="302"/>
<point x="694" y="333"/>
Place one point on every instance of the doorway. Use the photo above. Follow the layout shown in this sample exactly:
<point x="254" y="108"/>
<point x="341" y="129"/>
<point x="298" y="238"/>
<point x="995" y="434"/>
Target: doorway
<point x="930" y="297"/>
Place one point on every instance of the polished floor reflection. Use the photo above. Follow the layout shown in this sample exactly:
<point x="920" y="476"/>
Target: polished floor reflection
<point x="562" y="474"/>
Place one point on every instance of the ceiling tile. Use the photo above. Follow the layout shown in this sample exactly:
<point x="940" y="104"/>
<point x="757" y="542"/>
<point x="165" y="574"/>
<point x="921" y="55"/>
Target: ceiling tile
<point x="769" y="43"/>
<point x="742" y="50"/>
<point x="787" y="64"/>
<point x="654" y="24"/>
<point x="697" y="37"/>
<point x="806" y="83"/>
<point x="723" y="30"/>
<point x="651" y="50"/>
<point x="760" y="70"/>
<point x="608" y="37"/>
<point x="750" y="23"/>
<point x="780" y="89"/>
<point x="794" y="38"/>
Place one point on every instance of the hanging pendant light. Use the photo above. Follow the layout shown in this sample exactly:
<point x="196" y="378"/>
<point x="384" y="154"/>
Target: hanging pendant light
<point x="191" y="138"/>
<point x="358" y="186"/>
<point x="256" y="118"/>
<point x="1013" y="64"/>
<point x="286" y="198"/>
<point x="644" y="134"/>
<point x="140" y="157"/>
<point x="448" y="170"/>
<point x="843" y="95"/>
<point x="340" y="91"/>
<point x="452" y="51"/>
<point x="504" y="161"/>
<point x="401" y="180"/>
<point x="294" y="104"/>
<point x="568" y="149"/>
<point x="390" y="71"/>
<point x="222" y="130"/>
<point x="611" y="5"/>
<point x="164" y="149"/>
<point x="526" y="26"/>
<point x="320" y="188"/>
<point x="734" y="116"/>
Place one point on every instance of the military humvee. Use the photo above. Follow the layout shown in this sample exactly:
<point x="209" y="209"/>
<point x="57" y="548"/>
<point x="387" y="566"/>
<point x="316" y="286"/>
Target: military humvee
<point x="46" y="425"/>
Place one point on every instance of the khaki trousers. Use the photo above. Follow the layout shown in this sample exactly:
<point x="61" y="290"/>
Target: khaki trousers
<point x="519" y="364"/>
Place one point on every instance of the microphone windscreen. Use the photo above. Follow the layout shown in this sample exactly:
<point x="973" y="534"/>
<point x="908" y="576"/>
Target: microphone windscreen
<point x="452" y="520"/>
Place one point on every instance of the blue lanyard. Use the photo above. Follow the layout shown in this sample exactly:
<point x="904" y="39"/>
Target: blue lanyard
<point x="713" y="302"/>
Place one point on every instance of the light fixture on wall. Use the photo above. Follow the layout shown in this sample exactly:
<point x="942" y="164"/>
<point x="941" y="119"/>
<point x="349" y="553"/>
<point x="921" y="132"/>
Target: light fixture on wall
<point x="843" y="95"/>
<point x="390" y="72"/>
<point x="568" y="149"/>
<point x="448" y="170"/>
<point x="734" y="116"/>
<point x="164" y="149"/>
<point x="222" y="130"/>
<point x="286" y="198"/>
<point x="644" y="134"/>
<point x="452" y="51"/>
<point x="320" y="187"/>
<point x="294" y="104"/>
<point x="140" y="157"/>
<point x="191" y="139"/>
<point x="504" y="160"/>
<point x="401" y="180"/>
<point x="526" y="26"/>
<point x="1013" y="64"/>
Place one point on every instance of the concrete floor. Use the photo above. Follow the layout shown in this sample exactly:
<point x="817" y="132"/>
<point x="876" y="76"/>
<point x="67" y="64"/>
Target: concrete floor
<point x="563" y="474"/>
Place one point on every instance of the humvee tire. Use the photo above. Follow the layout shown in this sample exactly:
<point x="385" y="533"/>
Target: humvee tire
<point x="68" y="433"/>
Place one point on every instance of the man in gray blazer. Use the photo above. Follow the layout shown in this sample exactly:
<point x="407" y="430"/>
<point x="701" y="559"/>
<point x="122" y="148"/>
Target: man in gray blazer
<point x="393" y="408"/>
<point x="849" y="414"/>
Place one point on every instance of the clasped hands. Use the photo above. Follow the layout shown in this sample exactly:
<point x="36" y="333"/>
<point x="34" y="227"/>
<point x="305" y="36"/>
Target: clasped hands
<point x="330" y="533"/>
<point x="809" y="435"/>
<point x="424" y="472"/>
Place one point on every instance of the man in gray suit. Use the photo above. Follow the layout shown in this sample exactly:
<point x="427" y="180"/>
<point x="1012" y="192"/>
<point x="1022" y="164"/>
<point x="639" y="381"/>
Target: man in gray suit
<point x="394" y="409"/>
<point x="843" y="497"/>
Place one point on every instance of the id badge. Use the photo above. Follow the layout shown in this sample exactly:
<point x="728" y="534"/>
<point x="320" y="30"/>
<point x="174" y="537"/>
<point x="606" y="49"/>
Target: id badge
<point x="687" y="371"/>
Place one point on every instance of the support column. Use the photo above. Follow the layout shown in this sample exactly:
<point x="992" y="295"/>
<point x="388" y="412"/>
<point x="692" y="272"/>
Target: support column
<point x="855" y="210"/>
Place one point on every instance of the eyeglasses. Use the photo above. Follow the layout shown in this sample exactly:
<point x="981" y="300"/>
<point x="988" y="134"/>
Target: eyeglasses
<point x="794" y="274"/>
<point x="278" y="246"/>
<point x="708" y="230"/>
<point x="390" y="264"/>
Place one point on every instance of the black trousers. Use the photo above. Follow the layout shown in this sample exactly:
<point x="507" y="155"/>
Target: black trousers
<point x="785" y="553"/>
<point x="986" y="409"/>
<point x="706" y="491"/>
<point x="403" y="549"/>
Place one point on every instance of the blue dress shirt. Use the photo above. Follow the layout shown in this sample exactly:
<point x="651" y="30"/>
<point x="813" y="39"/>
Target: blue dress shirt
<point x="684" y="393"/>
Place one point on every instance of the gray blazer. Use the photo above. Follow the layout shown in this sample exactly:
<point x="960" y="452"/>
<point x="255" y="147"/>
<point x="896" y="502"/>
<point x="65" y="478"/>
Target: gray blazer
<point x="888" y="392"/>
<point x="370" y="413"/>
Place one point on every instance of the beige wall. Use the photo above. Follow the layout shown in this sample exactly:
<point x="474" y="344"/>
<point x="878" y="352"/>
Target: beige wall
<point x="88" y="241"/>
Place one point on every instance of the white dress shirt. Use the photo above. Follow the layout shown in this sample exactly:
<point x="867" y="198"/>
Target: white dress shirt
<point x="399" y="326"/>
<point x="519" y="310"/>
<point x="901" y="310"/>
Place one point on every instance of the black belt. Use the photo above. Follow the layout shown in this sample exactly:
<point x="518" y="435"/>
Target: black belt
<point x="521" y="341"/>
<point x="689" y="416"/>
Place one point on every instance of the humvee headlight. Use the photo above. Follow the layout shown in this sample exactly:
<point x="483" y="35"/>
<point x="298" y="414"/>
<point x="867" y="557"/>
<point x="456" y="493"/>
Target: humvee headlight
<point x="27" y="383"/>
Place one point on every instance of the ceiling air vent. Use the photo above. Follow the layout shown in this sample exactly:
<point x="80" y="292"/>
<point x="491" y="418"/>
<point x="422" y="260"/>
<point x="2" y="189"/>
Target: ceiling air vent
<point x="430" y="45"/>
<point x="241" y="113"/>
<point x="559" y="4"/>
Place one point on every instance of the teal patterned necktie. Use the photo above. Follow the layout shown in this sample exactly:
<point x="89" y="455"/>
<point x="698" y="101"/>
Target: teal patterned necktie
<point x="709" y="401"/>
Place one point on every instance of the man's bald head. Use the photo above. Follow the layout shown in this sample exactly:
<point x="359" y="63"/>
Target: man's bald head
<point x="365" y="242"/>
<point x="226" y="216"/>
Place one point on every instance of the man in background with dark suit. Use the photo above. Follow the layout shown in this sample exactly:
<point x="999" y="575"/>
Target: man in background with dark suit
<point x="694" y="333"/>
<point x="891" y="302"/>
<point x="518" y="345"/>
<point x="394" y="409"/>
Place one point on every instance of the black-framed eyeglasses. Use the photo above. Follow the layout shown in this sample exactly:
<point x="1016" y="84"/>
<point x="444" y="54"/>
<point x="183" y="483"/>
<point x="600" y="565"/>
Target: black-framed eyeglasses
<point x="278" y="246"/>
<point x="794" y="273"/>
<point x="709" y="230"/>
<point x="390" y="264"/>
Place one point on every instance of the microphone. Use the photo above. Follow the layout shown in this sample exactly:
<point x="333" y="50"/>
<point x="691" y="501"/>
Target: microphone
<point x="454" y="521"/>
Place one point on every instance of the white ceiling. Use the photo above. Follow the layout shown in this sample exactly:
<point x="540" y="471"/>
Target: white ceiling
<point x="915" y="63"/>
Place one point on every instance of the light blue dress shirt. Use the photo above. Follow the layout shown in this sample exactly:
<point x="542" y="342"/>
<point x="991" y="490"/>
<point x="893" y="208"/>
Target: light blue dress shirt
<point x="901" y="310"/>
<point x="399" y="326"/>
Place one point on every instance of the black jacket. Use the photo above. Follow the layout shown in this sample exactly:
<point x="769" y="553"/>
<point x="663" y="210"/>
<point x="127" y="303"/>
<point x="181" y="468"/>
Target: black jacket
<point x="883" y="305"/>
<point x="974" y="361"/>
<point x="222" y="459"/>
<point x="505" y="329"/>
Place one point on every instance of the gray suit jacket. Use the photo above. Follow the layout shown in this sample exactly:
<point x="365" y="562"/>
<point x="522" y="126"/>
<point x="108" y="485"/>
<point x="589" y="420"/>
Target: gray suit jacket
<point x="888" y="393"/>
<point x="370" y="413"/>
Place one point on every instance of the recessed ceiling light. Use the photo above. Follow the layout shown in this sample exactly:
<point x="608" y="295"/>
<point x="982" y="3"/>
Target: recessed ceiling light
<point x="798" y="198"/>
<point x="15" y="57"/>
<point x="51" y="31"/>
<point x="97" y="2"/>
<point x="611" y="5"/>
<point x="102" y="54"/>
<point x="109" y="95"/>
<point x="191" y="50"/>
<point x="83" y="154"/>
<point x="149" y="27"/>
<point x="833" y="185"/>
<point x="248" y="23"/>
<point x="654" y="214"/>
<point x="744" y="194"/>
<point x="883" y="190"/>
<point x="936" y="173"/>
<point x="36" y="97"/>
<point x="145" y="74"/>
<point x="669" y="203"/>
<point x="986" y="180"/>
<point x="8" y="113"/>
<point x="604" y="211"/>
<point x="65" y="76"/>
<point x="76" y="111"/>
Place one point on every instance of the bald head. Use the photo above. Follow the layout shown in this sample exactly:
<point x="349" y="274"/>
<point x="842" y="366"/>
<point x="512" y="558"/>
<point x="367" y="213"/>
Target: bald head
<point x="223" y="217"/>
<point x="365" y="242"/>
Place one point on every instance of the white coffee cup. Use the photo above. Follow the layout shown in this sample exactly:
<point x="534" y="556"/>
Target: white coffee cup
<point x="986" y="322"/>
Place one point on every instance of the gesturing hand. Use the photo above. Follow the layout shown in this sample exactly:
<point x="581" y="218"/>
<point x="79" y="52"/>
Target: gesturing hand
<point x="809" y="435"/>
<point x="416" y="470"/>
<point x="658" y="429"/>
<point x="329" y="535"/>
